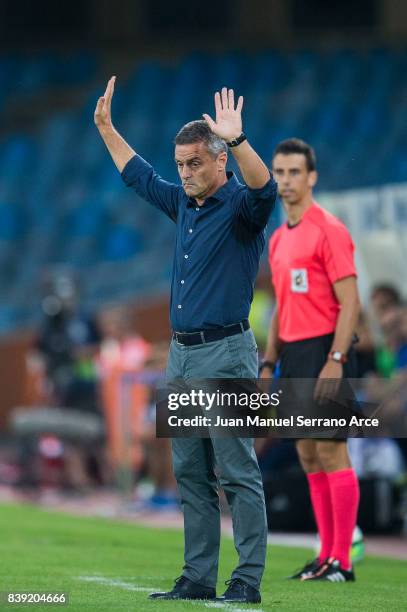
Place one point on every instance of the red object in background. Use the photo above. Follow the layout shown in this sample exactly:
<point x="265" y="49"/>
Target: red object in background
<point x="124" y="416"/>
<point x="52" y="464"/>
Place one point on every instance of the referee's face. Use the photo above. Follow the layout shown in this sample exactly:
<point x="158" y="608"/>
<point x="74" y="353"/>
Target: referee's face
<point x="294" y="180"/>
<point x="201" y="174"/>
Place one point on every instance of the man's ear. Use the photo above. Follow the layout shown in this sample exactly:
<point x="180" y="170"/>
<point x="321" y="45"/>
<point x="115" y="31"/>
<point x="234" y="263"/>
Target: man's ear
<point x="221" y="161"/>
<point x="312" y="178"/>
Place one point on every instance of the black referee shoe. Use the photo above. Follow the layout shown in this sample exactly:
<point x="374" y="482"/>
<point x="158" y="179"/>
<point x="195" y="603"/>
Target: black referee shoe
<point x="308" y="570"/>
<point x="333" y="572"/>
<point x="239" y="591"/>
<point x="186" y="589"/>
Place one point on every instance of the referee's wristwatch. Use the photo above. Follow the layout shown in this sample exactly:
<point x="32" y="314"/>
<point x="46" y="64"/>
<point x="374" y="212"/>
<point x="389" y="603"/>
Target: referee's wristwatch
<point x="267" y="364"/>
<point x="338" y="357"/>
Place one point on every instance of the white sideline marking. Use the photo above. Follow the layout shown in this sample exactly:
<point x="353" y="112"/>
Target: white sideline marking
<point x="231" y="607"/>
<point x="120" y="584"/>
<point x="127" y="586"/>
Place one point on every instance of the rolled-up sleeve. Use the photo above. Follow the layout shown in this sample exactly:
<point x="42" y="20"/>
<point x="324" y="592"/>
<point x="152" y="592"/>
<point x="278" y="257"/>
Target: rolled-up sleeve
<point x="141" y="176"/>
<point x="256" y="205"/>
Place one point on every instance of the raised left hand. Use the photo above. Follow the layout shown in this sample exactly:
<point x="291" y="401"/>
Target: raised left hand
<point x="228" y="124"/>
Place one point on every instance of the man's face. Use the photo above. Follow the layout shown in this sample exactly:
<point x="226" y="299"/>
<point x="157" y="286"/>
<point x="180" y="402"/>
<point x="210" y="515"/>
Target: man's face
<point x="381" y="302"/>
<point x="390" y="325"/>
<point x="294" y="180"/>
<point x="199" y="171"/>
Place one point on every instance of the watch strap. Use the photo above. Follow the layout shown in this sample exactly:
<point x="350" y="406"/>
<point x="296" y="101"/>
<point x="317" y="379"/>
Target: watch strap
<point x="267" y="364"/>
<point x="338" y="357"/>
<point x="237" y="141"/>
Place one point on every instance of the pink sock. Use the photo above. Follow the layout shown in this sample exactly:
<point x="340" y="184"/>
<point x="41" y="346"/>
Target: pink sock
<point x="344" y="487"/>
<point x="322" y="506"/>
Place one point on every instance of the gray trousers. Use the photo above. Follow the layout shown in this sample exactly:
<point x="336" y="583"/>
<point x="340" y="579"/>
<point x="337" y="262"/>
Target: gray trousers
<point x="194" y="461"/>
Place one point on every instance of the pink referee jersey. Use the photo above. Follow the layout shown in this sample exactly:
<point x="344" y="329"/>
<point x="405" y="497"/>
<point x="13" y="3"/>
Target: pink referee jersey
<point x="305" y="260"/>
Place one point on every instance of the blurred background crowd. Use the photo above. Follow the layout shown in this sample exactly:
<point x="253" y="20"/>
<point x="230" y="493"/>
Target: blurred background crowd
<point x="85" y="265"/>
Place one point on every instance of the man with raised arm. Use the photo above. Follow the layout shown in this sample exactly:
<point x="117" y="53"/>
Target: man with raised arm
<point x="220" y="226"/>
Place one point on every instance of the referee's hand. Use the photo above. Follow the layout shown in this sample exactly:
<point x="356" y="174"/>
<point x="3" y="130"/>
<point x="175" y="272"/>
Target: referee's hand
<point x="328" y="382"/>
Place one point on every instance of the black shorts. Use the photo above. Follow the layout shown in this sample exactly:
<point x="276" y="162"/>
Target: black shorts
<point x="306" y="358"/>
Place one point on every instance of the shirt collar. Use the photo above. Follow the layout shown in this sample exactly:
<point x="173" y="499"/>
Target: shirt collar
<point x="223" y="193"/>
<point x="308" y="213"/>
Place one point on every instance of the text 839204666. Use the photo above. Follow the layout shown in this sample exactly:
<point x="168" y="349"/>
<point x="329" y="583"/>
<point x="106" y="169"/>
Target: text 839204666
<point x="29" y="598"/>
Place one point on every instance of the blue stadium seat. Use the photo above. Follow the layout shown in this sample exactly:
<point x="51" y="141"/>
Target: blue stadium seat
<point x="122" y="242"/>
<point x="12" y="224"/>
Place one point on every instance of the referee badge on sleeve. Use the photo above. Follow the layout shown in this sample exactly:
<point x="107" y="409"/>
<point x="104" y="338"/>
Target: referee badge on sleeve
<point x="299" y="280"/>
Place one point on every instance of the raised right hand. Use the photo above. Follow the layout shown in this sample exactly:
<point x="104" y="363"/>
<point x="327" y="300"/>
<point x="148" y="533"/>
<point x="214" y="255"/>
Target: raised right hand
<point x="103" y="118"/>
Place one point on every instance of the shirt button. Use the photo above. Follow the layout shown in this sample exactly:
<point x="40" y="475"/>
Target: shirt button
<point x="190" y="231"/>
<point x="186" y="256"/>
<point x="197" y="208"/>
<point x="179" y="306"/>
<point x="182" y="282"/>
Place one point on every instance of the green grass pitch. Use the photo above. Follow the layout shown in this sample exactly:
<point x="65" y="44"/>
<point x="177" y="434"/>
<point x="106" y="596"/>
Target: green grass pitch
<point x="109" y="565"/>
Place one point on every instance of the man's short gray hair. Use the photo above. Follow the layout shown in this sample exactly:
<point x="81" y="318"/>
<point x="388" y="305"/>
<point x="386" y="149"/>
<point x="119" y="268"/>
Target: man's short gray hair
<point x="199" y="131"/>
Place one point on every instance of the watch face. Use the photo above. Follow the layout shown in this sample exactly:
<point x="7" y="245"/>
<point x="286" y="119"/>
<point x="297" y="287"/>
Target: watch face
<point x="336" y="356"/>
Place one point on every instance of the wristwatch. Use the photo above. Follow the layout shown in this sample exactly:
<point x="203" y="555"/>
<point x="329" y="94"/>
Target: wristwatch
<point x="338" y="357"/>
<point x="237" y="141"/>
<point x="267" y="364"/>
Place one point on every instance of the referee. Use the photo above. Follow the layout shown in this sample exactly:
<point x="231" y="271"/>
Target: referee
<point x="219" y="239"/>
<point x="314" y="277"/>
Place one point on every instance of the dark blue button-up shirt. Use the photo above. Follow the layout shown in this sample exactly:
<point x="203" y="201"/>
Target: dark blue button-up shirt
<point x="218" y="246"/>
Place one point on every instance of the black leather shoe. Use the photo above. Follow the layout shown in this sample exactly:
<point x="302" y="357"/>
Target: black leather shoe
<point x="186" y="589"/>
<point x="239" y="591"/>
